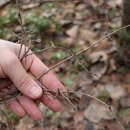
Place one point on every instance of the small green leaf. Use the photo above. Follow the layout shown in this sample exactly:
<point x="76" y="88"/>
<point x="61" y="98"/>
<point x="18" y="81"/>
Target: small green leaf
<point x="68" y="82"/>
<point x="31" y="18"/>
<point x="49" y="113"/>
<point x="15" y="117"/>
<point x="13" y="17"/>
<point x="60" y="55"/>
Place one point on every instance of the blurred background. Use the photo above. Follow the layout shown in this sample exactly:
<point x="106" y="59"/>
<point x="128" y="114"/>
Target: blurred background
<point x="64" y="28"/>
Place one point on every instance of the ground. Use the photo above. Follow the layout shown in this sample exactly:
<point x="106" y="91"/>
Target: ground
<point x="70" y="27"/>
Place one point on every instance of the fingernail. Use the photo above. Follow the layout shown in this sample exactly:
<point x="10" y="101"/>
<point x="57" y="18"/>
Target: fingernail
<point x="35" y="92"/>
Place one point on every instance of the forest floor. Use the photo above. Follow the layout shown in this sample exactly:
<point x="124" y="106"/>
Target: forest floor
<point x="98" y="72"/>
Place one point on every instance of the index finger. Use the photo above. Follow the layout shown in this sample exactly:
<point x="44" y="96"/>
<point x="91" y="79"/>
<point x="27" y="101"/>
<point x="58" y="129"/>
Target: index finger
<point x="36" y="67"/>
<point x="49" y="80"/>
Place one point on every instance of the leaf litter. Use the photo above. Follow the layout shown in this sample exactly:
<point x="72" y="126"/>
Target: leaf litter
<point x="95" y="66"/>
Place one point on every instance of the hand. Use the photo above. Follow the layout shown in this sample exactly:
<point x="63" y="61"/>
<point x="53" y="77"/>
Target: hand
<point x="12" y="68"/>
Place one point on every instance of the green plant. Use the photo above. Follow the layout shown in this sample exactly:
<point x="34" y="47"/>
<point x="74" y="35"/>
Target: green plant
<point x="3" y="31"/>
<point x="58" y="28"/>
<point x="11" y="115"/>
<point x="113" y="12"/>
<point x="13" y="15"/>
<point x="49" y="113"/>
<point x="43" y="24"/>
<point x="125" y="36"/>
<point x="68" y="82"/>
<point x="4" y="20"/>
<point x="60" y="55"/>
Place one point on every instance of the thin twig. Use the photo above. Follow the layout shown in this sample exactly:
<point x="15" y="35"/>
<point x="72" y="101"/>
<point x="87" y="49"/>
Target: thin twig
<point x="119" y="123"/>
<point x="92" y="97"/>
<point x="18" y="6"/>
<point x="96" y="43"/>
<point x="48" y="48"/>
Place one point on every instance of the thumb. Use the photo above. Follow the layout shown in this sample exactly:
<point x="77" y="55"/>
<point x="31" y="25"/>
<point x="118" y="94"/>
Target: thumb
<point x="21" y="79"/>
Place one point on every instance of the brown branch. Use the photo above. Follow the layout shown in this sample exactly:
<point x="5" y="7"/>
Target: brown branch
<point x="47" y="49"/>
<point x="94" y="44"/>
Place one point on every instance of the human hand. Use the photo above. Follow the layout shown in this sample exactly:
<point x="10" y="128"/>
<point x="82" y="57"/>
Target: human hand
<point x="12" y="68"/>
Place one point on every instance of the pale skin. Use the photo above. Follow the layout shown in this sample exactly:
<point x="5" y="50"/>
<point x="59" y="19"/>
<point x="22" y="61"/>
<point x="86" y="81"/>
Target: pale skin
<point x="12" y="68"/>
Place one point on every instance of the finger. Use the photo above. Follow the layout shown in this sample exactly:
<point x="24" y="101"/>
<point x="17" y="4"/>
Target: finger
<point x="30" y="107"/>
<point x="16" y="107"/>
<point x="13" y="68"/>
<point x="49" y="80"/>
<point x="37" y="68"/>
<point x="51" y="103"/>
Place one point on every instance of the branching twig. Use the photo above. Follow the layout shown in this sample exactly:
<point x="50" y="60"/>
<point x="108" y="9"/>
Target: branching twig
<point x="94" y="44"/>
<point x="47" y="49"/>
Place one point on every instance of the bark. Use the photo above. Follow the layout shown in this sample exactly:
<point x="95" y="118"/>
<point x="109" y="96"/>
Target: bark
<point x="126" y="12"/>
<point x="124" y="40"/>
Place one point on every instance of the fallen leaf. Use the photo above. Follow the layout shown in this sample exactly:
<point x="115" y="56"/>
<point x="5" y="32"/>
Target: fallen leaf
<point x="96" y="112"/>
<point x="125" y="102"/>
<point x="72" y="32"/>
<point x="101" y="64"/>
<point x="115" y="91"/>
<point x="87" y="35"/>
<point x="81" y="7"/>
